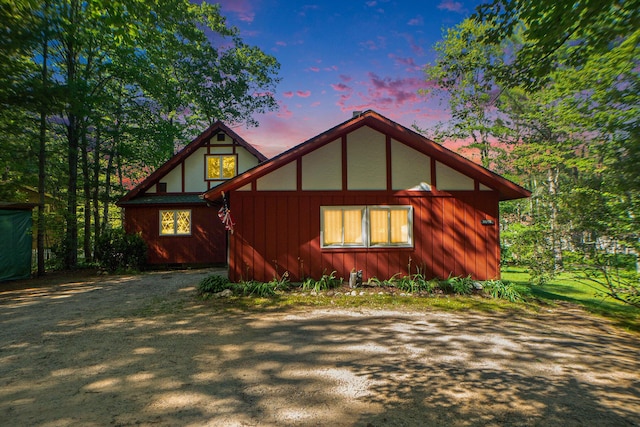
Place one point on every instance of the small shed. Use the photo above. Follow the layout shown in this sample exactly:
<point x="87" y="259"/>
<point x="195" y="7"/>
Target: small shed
<point x="15" y="240"/>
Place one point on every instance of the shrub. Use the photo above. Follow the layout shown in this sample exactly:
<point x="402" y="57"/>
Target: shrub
<point x="254" y="288"/>
<point x="414" y="283"/>
<point x="116" y="250"/>
<point x="213" y="284"/>
<point x="326" y="282"/>
<point x="502" y="289"/>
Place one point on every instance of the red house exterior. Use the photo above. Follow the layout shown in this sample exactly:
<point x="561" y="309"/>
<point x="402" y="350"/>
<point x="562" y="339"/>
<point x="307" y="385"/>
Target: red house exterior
<point x="167" y="208"/>
<point x="370" y="195"/>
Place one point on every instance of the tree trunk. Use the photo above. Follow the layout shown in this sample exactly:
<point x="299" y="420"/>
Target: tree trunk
<point x="42" y="152"/>
<point x="556" y="246"/>
<point x="71" y="258"/>
<point x="73" y="137"/>
<point x="86" y="187"/>
<point x="96" y="186"/>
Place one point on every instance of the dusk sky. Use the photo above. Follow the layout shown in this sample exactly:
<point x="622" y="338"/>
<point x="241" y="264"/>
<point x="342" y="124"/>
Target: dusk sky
<point x="342" y="56"/>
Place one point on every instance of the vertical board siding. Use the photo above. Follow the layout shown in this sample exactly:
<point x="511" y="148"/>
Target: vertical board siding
<point x="284" y="228"/>
<point x="207" y="243"/>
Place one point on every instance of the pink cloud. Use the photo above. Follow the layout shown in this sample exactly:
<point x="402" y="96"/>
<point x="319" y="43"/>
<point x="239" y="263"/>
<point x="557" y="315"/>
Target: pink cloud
<point x="243" y="9"/>
<point x="303" y="93"/>
<point x="416" y="21"/>
<point x="345" y="78"/>
<point x="284" y="111"/>
<point x="288" y="94"/>
<point x="314" y="69"/>
<point x="409" y="63"/>
<point x="450" y="5"/>
<point x="281" y="43"/>
<point x="340" y="87"/>
<point x="379" y="43"/>
<point x="391" y="96"/>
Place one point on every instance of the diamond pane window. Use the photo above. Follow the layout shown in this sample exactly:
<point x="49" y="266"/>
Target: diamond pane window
<point x="174" y="223"/>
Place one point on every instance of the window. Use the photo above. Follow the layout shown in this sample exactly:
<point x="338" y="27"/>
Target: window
<point x="342" y="226"/>
<point x="174" y="223"/>
<point x="390" y="226"/>
<point x="221" y="167"/>
<point x="366" y="226"/>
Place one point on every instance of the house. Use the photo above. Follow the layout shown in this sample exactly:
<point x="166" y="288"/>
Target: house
<point x="179" y="226"/>
<point x="370" y="195"/>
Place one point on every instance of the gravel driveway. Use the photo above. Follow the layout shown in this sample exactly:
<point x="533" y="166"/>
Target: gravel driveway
<point x="143" y="350"/>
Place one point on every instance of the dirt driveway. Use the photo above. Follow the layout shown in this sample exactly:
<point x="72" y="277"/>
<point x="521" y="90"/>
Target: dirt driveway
<point x="142" y="350"/>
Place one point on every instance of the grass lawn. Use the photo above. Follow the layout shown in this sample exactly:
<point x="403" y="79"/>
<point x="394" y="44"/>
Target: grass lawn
<point x="565" y="287"/>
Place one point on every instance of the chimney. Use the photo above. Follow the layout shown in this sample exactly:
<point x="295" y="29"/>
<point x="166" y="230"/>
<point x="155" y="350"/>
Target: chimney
<point x="357" y="113"/>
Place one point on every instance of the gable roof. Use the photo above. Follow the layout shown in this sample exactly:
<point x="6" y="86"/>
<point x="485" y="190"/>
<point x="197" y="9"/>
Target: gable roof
<point x="508" y="190"/>
<point x="186" y="152"/>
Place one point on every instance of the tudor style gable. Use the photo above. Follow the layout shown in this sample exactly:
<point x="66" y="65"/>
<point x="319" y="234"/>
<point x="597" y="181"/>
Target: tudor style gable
<point x="215" y="156"/>
<point x="370" y="153"/>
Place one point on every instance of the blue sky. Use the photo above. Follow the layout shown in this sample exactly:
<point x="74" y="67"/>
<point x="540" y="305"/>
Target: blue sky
<point x="342" y="56"/>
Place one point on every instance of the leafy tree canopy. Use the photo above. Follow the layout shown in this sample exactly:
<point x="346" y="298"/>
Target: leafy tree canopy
<point x="586" y="27"/>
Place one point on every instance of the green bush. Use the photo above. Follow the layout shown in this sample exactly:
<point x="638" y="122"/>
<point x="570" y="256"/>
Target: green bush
<point x="258" y="289"/>
<point x="414" y="283"/>
<point x="502" y="289"/>
<point x="213" y="284"/>
<point x="117" y="250"/>
<point x="326" y="282"/>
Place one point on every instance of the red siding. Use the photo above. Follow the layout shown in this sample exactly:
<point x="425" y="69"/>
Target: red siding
<point x="207" y="243"/>
<point x="280" y="230"/>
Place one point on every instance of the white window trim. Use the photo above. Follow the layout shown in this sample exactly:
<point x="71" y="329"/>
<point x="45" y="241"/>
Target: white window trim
<point x="366" y="233"/>
<point x="175" y="222"/>
<point x="221" y="158"/>
<point x="342" y="245"/>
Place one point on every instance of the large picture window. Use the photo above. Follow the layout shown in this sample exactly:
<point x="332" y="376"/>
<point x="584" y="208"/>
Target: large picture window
<point x="221" y="167"/>
<point x="175" y="223"/>
<point x="366" y="226"/>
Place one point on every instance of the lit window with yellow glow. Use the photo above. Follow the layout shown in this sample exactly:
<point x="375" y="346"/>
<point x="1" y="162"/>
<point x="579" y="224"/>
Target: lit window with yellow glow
<point x="366" y="226"/>
<point x="175" y="223"/>
<point x="221" y="167"/>
<point x="390" y="226"/>
<point x="342" y="226"/>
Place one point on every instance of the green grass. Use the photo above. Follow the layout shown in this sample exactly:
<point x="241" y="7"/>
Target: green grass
<point x="368" y="301"/>
<point x="566" y="288"/>
<point x="562" y="289"/>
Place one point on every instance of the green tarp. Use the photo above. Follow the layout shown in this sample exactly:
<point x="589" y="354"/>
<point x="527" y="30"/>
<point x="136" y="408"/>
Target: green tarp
<point x="15" y="244"/>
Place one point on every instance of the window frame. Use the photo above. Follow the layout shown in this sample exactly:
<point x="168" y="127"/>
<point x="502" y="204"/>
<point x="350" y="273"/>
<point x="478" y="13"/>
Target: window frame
<point x="175" y="213"/>
<point x="343" y="209"/>
<point x="366" y="226"/>
<point x="221" y="158"/>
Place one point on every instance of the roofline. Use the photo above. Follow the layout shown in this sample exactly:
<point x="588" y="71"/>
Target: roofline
<point x="508" y="190"/>
<point x="184" y="153"/>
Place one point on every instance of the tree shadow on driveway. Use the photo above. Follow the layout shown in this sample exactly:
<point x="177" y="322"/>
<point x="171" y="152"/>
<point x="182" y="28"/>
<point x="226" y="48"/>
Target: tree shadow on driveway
<point x="144" y="350"/>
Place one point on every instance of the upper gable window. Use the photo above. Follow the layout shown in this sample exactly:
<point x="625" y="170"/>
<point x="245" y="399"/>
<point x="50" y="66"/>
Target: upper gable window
<point x="221" y="167"/>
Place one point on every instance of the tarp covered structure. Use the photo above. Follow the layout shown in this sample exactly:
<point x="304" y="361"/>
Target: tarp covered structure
<point x="15" y="242"/>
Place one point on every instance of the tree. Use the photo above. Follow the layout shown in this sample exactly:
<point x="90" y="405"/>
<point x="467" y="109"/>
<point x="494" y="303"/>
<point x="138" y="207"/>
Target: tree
<point x="570" y="133"/>
<point x="463" y="73"/>
<point x="126" y="67"/>
<point x="584" y="28"/>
